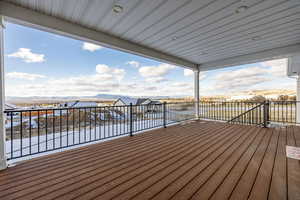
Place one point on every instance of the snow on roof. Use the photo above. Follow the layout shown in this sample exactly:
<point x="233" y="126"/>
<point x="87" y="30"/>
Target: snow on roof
<point x="134" y="101"/>
<point x="80" y="104"/>
<point x="128" y="100"/>
<point x="9" y="106"/>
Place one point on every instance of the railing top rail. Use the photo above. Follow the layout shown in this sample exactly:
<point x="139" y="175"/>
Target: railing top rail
<point x="71" y="108"/>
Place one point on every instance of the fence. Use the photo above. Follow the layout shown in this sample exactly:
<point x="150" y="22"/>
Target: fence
<point x="224" y="111"/>
<point x="281" y="112"/>
<point x="34" y="131"/>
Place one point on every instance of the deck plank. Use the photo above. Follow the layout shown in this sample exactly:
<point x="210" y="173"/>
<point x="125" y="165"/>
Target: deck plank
<point x="244" y="186"/>
<point x="239" y="159"/>
<point x="278" y="187"/>
<point x="261" y="186"/>
<point x="197" y="160"/>
<point x="100" y="186"/>
<point x="190" y="186"/>
<point x="85" y="167"/>
<point x="293" y="166"/>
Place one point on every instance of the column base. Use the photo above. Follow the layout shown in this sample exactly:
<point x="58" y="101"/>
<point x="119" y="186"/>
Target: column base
<point x="3" y="164"/>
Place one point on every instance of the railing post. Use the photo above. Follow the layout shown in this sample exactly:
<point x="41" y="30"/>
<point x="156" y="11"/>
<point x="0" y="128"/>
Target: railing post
<point x="298" y="101"/>
<point x="164" y="114"/>
<point x="266" y="113"/>
<point x="130" y="120"/>
<point x="3" y="162"/>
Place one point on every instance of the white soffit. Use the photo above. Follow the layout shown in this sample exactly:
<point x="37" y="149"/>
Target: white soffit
<point x="185" y="32"/>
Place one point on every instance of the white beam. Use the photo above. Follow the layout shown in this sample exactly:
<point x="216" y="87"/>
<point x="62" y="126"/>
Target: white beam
<point x="28" y="17"/>
<point x="196" y="93"/>
<point x="3" y="163"/>
<point x="277" y="53"/>
<point x="298" y="101"/>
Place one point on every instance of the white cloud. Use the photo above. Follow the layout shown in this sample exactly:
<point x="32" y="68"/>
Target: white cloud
<point x="106" y="79"/>
<point x="156" y="71"/>
<point x="276" y="67"/>
<point x="107" y="72"/>
<point x="27" y="56"/>
<point x="240" y="79"/>
<point x="190" y="73"/>
<point x="90" y="47"/>
<point x="25" y="76"/>
<point x="156" y="79"/>
<point x="134" y="64"/>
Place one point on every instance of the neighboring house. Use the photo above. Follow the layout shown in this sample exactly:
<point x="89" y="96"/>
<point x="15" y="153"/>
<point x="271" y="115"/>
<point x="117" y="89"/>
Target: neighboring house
<point x="134" y="101"/>
<point x="9" y="106"/>
<point x="78" y="104"/>
<point x="139" y="104"/>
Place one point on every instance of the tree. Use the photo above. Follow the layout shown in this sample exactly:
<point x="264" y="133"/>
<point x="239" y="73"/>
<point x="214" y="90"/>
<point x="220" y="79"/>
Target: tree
<point x="258" y="98"/>
<point x="292" y="98"/>
<point x="283" y="98"/>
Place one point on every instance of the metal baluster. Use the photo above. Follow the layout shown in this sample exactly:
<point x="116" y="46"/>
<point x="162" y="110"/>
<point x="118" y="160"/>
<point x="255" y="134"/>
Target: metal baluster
<point x="67" y="127"/>
<point x="95" y="123"/>
<point x="79" y="127"/>
<point x="53" y="129"/>
<point x="60" y="127"/>
<point x="46" y="129"/>
<point x="73" y="125"/>
<point x="84" y="124"/>
<point x="30" y="132"/>
<point x="21" y="133"/>
<point x="90" y="124"/>
<point x="11" y="135"/>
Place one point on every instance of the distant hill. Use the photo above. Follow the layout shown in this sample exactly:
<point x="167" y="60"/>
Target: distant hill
<point x="56" y="99"/>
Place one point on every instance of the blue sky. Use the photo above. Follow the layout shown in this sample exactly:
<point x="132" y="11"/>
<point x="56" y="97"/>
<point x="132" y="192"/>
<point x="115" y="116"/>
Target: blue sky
<point x="38" y="63"/>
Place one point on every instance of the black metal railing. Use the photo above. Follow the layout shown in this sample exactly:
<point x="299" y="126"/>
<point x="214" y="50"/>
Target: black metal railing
<point x="253" y="116"/>
<point x="224" y="110"/>
<point x="269" y="113"/>
<point x="272" y="112"/>
<point x="35" y="131"/>
<point x="283" y="112"/>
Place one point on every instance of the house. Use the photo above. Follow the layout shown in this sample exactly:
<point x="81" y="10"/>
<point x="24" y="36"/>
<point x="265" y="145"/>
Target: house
<point x="9" y="106"/>
<point x="79" y="104"/>
<point x="140" y="105"/>
<point x="134" y="101"/>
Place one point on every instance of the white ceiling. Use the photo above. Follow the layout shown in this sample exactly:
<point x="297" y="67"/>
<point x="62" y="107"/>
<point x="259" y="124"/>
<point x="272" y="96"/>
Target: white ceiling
<point x="199" y="31"/>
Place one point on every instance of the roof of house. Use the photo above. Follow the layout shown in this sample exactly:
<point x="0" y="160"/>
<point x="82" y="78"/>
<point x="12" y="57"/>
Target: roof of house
<point x="134" y="101"/>
<point x="141" y="100"/>
<point x="127" y="100"/>
<point x="81" y="104"/>
<point x="9" y="106"/>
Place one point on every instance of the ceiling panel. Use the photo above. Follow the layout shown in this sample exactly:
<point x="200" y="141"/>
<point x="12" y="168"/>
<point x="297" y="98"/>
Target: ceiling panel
<point x="250" y="22"/>
<point x="197" y="31"/>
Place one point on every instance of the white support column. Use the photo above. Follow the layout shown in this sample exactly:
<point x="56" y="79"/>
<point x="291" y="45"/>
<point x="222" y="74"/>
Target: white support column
<point x="3" y="163"/>
<point x="298" y="101"/>
<point x="196" y="93"/>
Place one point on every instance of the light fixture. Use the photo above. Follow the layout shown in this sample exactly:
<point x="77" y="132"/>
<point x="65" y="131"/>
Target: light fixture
<point x="117" y="8"/>
<point x="241" y="9"/>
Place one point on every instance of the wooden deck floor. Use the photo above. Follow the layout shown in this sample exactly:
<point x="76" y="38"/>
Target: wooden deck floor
<point x="198" y="160"/>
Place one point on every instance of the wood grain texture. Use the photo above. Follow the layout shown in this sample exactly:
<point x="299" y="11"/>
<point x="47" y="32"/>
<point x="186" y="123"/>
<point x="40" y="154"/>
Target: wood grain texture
<point x="197" y="160"/>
